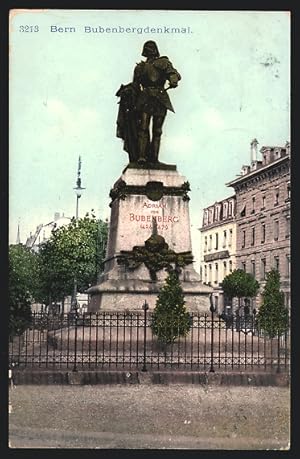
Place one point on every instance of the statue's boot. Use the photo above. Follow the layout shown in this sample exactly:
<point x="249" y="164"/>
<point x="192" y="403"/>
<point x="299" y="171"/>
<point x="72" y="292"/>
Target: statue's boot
<point x="142" y="146"/>
<point x="155" y="149"/>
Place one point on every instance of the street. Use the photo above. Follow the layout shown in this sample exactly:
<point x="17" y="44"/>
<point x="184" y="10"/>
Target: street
<point x="150" y="417"/>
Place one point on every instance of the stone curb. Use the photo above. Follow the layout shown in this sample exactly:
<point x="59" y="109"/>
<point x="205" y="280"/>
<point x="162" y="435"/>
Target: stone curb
<point x="61" y="377"/>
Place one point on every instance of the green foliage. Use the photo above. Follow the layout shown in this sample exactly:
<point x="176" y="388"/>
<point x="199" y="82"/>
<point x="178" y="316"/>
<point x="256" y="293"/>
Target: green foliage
<point x="240" y="284"/>
<point x="170" y="318"/>
<point x="22" y="286"/>
<point x="273" y="316"/>
<point x="73" y="251"/>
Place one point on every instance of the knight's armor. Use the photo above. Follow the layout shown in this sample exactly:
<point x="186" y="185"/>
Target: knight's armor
<point x="145" y="98"/>
<point x="151" y="77"/>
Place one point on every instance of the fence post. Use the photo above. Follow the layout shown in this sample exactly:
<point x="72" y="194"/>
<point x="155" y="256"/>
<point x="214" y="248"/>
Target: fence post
<point x="145" y="308"/>
<point x="278" y="351"/>
<point x="212" y="310"/>
<point x="75" y="338"/>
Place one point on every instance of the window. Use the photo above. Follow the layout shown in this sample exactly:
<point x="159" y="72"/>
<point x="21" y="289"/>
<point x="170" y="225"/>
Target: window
<point x="276" y="197"/>
<point x="210" y="242"/>
<point x="287" y="226"/>
<point x="205" y="219"/>
<point x="216" y="273"/>
<point x="230" y="238"/>
<point x="288" y="191"/>
<point x="205" y="274"/>
<point x="205" y="244"/>
<point x="224" y="238"/>
<point x="253" y="268"/>
<point x="224" y="268"/>
<point x="263" y="206"/>
<point x="276" y="263"/>
<point x="263" y="233"/>
<point x="224" y="210"/>
<point x="253" y="235"/>
<point x="230" y="266"/>
<point x="243" y="238"/>
<point x="209" y="273"/>
<point x="211" y="216"/>
<point x="243" y="211"/>
<point x="253" y="205"/>
<point x="233" y="207"/>
<point x="243" y="267"/>
<point x="288" y="266"/>
<point x="217" y="241"/>
<point x="276" y="230"/>
<point x="230" y="209"/>
<point x="263" y="268"/>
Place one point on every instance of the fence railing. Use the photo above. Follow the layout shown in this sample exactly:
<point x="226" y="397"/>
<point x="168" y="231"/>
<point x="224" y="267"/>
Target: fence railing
<point x="124" y="340"/>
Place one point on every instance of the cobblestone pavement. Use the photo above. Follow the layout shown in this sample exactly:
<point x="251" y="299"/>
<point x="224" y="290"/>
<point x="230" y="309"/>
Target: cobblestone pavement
<point x="150" y="416"/>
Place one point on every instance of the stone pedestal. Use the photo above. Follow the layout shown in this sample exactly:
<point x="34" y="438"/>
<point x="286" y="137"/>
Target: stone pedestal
<point x="137" y="197"/>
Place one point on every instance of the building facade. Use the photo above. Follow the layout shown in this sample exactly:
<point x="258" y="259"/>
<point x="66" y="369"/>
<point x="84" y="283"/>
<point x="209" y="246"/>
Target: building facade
<point x="43" y="232"/>
<point x="263" y="216"/>
<point x="218" y="246"/>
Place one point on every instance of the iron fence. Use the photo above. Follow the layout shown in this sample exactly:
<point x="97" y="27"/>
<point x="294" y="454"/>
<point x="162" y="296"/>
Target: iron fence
<point x="124" y="340"/>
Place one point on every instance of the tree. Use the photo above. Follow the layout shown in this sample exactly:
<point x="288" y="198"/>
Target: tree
<point x="22" y="286"/>
<point x="273" y="316"/>
<point x="75" y="251"/>
<point x="170" y="318"/>
<point x="239" y="284"/>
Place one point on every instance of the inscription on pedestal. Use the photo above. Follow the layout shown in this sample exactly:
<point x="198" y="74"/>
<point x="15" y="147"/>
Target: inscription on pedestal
<point x="143" y="216"/>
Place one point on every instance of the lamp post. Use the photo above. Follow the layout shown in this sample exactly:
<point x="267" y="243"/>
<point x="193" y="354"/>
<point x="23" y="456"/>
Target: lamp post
<point x="78" y="190"/>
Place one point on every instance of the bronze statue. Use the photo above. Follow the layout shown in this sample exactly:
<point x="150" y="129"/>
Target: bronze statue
<point x="144" y="99"/>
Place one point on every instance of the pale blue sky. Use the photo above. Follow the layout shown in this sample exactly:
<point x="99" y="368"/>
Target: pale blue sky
<point x="235" y="86"/>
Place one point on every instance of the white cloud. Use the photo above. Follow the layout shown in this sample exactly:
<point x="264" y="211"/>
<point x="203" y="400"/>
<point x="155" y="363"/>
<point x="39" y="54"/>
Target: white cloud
<point x="180" y="143"/>
<point x="213" y="118"/>
<point x="62" y="120"/>
<point x="57" y="107"/>
<point x="89" y="76"/>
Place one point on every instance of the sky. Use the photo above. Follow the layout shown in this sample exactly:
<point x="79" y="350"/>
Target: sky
<point x="235" y="69"/>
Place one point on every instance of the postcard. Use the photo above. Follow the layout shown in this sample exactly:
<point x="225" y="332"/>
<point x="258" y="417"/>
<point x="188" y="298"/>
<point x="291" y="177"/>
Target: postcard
<point x="166" y="135"/>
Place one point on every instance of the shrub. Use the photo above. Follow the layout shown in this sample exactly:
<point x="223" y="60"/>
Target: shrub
<point x="273" y="317"/>
<point x="170" y="318"/>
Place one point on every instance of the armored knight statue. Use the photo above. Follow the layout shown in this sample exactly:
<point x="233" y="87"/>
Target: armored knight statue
<point x="144" y="99"/>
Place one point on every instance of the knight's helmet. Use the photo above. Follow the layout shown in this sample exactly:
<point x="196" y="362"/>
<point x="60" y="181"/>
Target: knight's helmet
<point x="150" y="49"/>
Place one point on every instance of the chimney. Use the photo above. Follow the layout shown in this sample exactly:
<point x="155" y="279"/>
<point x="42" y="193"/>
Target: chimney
<point x="245" y="170"/>
<point x="287" y="147"/>
<point x="254" y="144"/>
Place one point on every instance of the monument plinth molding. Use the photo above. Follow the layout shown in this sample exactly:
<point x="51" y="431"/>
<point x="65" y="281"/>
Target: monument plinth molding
<point x="139" y="196"/>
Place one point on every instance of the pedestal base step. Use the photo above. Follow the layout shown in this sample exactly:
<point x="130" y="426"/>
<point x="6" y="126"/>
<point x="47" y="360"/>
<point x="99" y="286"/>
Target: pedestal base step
<point x="110" y="299"/>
